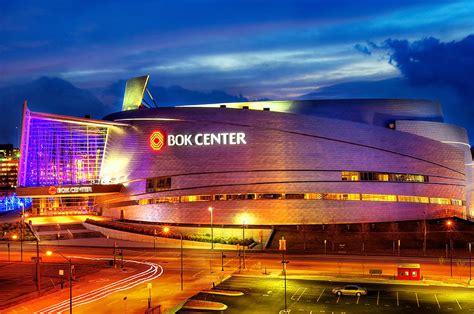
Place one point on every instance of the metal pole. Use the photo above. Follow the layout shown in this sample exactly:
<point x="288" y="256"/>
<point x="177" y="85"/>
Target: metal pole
<point x="222" y="260"/>
<point x="70" y="286"/>
<point x="181" y="250"/>
<point x="38" y="270"/>
<point x="149" y="296"/>
<point x="21" y="233"/>
<point x="470" y="263"/>
<point x="8" y="246"/>
<point x="284" y="274"/>
<point x="398" y="247"/>
<point x="451" y="252"/>
<point x="243" y="246"/>
<point x="212" y="229"/>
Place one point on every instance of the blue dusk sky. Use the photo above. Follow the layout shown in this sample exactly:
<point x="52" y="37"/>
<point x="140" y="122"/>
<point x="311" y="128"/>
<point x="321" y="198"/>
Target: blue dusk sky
<point x="257" y="49"/>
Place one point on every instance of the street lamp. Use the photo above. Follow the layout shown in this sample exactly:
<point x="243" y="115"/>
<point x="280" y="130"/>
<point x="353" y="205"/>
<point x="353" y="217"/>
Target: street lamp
<point x="14" y="237"/>
<point x="244" y="223"/>
<point x="149" y="285"/>
<point x="449" y="224"/>
<point x="166" y="230"/>
<point x="212" y="227"/>
<point x="470" y="263"/>
<point x="71" y="267"/>
<point x="282" y="248"/>
<point x="21" y="228"/>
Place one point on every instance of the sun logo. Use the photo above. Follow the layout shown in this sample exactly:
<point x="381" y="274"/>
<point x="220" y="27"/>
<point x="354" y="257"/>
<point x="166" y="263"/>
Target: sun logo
<point x="157" y="140"/>
<point x="52" y="190"/>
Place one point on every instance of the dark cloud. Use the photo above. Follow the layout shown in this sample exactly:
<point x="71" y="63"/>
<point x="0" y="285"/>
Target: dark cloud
<point x="432" y="62"/>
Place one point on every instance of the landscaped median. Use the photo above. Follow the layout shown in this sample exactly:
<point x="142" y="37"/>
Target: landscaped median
<point x="204" y="305"/>
<point x="228" y="293"/>
<point x="146" y="233"/>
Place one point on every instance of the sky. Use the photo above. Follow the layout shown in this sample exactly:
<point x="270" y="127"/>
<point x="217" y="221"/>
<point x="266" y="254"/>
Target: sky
<point x="258" y="49"/>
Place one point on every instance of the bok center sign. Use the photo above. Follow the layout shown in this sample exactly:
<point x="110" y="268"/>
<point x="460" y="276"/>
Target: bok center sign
<point x="158" y="139"/>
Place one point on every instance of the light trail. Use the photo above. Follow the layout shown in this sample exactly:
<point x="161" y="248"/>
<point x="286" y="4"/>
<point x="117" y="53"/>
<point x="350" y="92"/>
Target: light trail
<point x="153" y="272"/>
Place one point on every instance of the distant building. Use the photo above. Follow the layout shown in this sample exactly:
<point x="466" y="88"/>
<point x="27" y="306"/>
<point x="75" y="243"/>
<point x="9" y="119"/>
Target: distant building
<point x="9" y="158"/>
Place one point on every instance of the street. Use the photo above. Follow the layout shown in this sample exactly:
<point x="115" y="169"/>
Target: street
<point x="115" y="290"/>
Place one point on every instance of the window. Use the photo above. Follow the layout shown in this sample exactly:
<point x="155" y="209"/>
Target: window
<point x="382" y="177"/>
<point x="195" y="198"/>
<point x="456" y="202"/>
<point x="294" y="196"/>
<point x="219" y="197"/>
<point x="313" y="196"/>
<point x="440" y="200"/>
<point x="341" y="197"/>
<point x="413" y="199"/>
<point x="158" y="184"/>
<point x="379" y="197"/>
<point x="350" y="176"/>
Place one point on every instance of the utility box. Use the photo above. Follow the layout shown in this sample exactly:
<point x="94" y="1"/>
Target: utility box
<point x="409" y="272"/>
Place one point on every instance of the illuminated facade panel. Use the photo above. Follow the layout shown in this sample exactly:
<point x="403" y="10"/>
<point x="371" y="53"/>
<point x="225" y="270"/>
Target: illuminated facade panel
<point x="62" y="153"/>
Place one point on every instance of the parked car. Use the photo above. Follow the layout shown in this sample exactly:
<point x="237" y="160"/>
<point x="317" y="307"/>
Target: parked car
<point x="350" y="290"/>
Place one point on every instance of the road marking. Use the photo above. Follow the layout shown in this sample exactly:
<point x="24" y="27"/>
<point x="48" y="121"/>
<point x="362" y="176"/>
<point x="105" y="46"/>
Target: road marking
<point x="320" y="295"/>
<point x="418" y="302"/>
<point x="358" y="297"/>
<point x="293" y="296"/>
<point x="110" y="303"/>
<point x="398" y="304"/>
<point x="437" y="301"/>
<point x="338" y="297"/>
<point x="378" y="297"/>
<point x="194" y="276"/>
<point x="302" y="294"/>
<point x="458" y="304"/>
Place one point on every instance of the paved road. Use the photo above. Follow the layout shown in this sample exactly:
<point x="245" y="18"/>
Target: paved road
<point x="305" y="296"/>
<point x="197" y="276"/>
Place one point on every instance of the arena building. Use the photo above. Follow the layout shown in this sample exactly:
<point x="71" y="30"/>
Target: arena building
<point x="258" y="163"/>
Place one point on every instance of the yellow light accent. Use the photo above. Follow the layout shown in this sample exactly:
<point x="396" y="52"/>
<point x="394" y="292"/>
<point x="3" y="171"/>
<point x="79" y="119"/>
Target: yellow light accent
<point x="49" y="253"/>
<point x="244" y="219"/>
<point x="166" y="229"/>
<point x="113" y="169"/>
<point x="14" y="237"/>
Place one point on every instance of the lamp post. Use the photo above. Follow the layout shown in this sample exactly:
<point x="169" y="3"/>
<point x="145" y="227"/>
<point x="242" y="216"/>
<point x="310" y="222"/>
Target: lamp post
<point x="21" y="228"/>
<point x="211" y="210"/>
<point x="244" y="223"/>
<point x="166" y="230"/>
<point x="154" y="240"/>
<point x="71" y="267"/>
<point x="282" y="248"/>
<point x="470" y="263"/>
<point x="149" y="285"/>
<point x="14" y="237"/>
<point x="449" y="223"/>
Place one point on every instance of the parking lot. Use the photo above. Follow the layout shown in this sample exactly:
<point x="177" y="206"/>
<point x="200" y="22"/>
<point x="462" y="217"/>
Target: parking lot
<point x="304" y="296"/>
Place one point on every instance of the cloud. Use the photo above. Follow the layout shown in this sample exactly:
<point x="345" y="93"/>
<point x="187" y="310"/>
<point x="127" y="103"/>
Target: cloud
<point x="432" y="62"/>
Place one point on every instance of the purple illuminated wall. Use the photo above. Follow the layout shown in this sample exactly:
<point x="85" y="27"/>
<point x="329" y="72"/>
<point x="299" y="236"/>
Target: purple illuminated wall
<point x="60" y="152"/>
